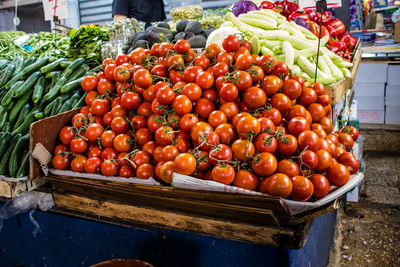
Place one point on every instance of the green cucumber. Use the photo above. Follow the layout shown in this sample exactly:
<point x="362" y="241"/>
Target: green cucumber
<point x="65" y="64"/>
<point x="13" y="80"/>
<point x="28" y="84"/>
<point x="75" y="98"/>
<point x="73" y="66"/>
<point x="6" y="127"/>
<point x="24" y="127"/>
<point x="56" y="107"/>
<point x="18" y="106"/>
<point x="52" y="66"/>
<point x="50" y="75"/>
<point x="68" y="87"/>
<point x="38" y="90"/>
<point x="39" y="115"/>
<point x="8" y="98"/>
<point x="34" y="67"/>
<point x="81" y="102"/>
<point x="4" y="141"/>
<point x="48" y="108"/>
<point x="16" y="155"/>
<point x="79" y="72"/>
<point x="3" y="116"/>
<point x="65" y="107"/>
<point x="7" y="74"/>
<point x="20" y="64"/>
<point x="55" y="90"/>
<point x="29" y="61"/>
<point x="6" y="157"/>
<point x="4" y="62"/>
<point x="24" y="169"/>
<point x="24" y="112"/>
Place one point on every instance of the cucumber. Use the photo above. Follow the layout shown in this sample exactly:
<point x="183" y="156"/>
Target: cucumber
<point x="75" y="98"/>
<point x="65" y="64"/>
<point x="18" y="106"/>
<point x="3" y="116"/>
<point x="8" y="98"/>
<point x="16" y="155"/>
<point x="24" y="169"/>
<point x="6" y="127"/>
<point x="54" y="91"/>
<point x="79" y="72"/>
<point x="20" y="64"/>
<point x="28" y="84"/>
<point x="48" y="108"/>
<point x="24" y="127"/>
<point x="38" y="90"/>
<point x="4" y="62"/>
<point x="39" y="116"/>
<point x="35" y="66"/>
<point x="4" y="141"/>
<point x="13" y="80"/>
<point x="29" y="61"/>
<point x="68" y="87"/>
<point x="80" y="103"/>
<point x="7" y="74"/>
<point x="56" y="107"/>
<point x="52" y="66"/>
<point x="50" y="75"/>
<point x="6" y="157"/>
<point x="73" y="66"/>
<point x="65" y="107"/>
<point x="24" y="112"/>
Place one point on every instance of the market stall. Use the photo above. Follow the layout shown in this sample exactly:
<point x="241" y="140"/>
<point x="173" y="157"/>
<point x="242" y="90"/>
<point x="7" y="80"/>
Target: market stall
<point x="233" y="126"/>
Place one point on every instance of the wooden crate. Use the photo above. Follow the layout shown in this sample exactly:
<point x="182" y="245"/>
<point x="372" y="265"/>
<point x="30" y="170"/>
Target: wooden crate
<point x="13" y="187"/>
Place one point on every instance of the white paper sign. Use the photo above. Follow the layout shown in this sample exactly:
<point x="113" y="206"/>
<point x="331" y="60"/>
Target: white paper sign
<point x="55" y="8"/>
<point x="311" y="4"/>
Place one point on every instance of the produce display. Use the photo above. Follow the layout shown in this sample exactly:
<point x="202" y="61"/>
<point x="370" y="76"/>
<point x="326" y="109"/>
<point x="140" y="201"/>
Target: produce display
<point x="225" y="115"/>
<point x="8" y="49"/>
<point x="32" y="89"/>
<point x="186" y="12"/>
<point x="47" y="44"/>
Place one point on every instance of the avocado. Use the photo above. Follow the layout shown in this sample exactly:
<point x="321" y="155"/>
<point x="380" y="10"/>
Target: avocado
<point x="142" y="43"/>
<point x="159" y="34"/>
<point x="179" y="35"/>
<point x="141" y="35"/>
<point x="149" y="28"/>
<point x="194" y="27"/>
<point x="189" y="35"/>
<point x="209" y="31"/>
<point x="163" y="25"/>
<point x="181" y="25"/>
<point x="197" y="41"/>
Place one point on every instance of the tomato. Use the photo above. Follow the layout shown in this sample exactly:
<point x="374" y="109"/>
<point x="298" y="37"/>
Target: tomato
<point x="281" y="102"/>
<point x="302" y="190"/>
<point x="225" y="58"/>
<point x="317" y="111"/>
<point x="244" y="61"/>
<point x="241" y="51"/>
<point x="265" y="143"/>
<point x="338" y="152"/>
<point x="350" y="161"/>
<point x="321" y="133"/>
<point x="175" y="62"/>
<point x="93" y="132"/>
<point x="205" y="80"/>
<point x="256" y="73"/>
<point x="169" y="153"/>
<point x="210" y="94"/>
<point x="149" y="147"/>
<point x="121" y="74"/>
<point x="139" y="158"/>
<point x="264" y="164"/>
<point x="202" y="61"/>
<point x="143" y="135"/>
<point x="310" y="140"/>
<point x="298" y="125"/>
<point x="338" y="174"/>
<point x="190" y="74"/>
<point x="297" y="111"/>
<point x="230" y="109"/>
<point x="130" y="100"/>
<point x="182" y="46"/>
<point x="327" y="125"/>
<point x="145" y="171"/>
<point x="226" y="132"/>
<point x="137" y="57"/>
<point x="220" y="69"/>
<point x="126" y="171"/>
<point x="100" y="107"/>
<point x="288" y="167"/>
<point x="107" y="138"/>
<point x="324" y="100"/>
<point x="318" y="88"/>
<point x="299" y="79"/>
<point x="321" y="185"/>
<point x="165" y="96"/>
<point x="90" y="96"/>
<point x="204" y="107"/>
<point x="223" y="174"/>
<point x="93" y="165"/>
<point x="78" y="145"/>
<point x="324" y="160"/>
<point x="273" y="114"/>
<point x="165" y="135"/>
<point x="242" y="80"/>
<point x="89" y="83"/>
<point x="220" y="154"/>
<point x="346" y="140"/>
<point x="121" y="59"/>
<point x="263" y="185"/>
<point x="308" y="161"/>
<point x="292" y="88"/>
<point x="229" y="92"/>
<point x="108" y="153"/>
<point x="61" y="162"/>
<point x="192" y="90"/>
<point x="78" y="164"/>
<point x="231" y="43"/>
<point x="139" y="122"/>
<point x="59" y="149"/>
<point x="267" y="125"/>
<point x="122" y="143"/>
<point x="182" y="144"/>
<point x="267" y="63"/>
<point x="142" y="78"/>
<point x="242" y="149"/>
<point x="182" y="105"/>
<point x="248" y="126"/>
<point x="307" y="97"/>
<point x="187" y="121"/>
<point x="166" y="171"/>
<point x="86" y="109"/>
<point x="287" y="144"/>
<point x="120" y="125"/>
<point x="279" y="185"/>
<point x="254" y="97"/>
<point x="107" y="61"/>
<point x="185" y="163"/>
<point x="118" y="111"/>
<point x="352" y="131"/>
<point x="94" y="151"/>
<point x="109" y="71"/>
<point x="245" y="179"/>
<point x="122" y="158"/>
<point x="66" y="135"/>
<point x="281" y="69"/>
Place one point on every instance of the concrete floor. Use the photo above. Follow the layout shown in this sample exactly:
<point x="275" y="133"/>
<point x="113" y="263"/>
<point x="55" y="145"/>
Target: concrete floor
<point x="368" y="232"/>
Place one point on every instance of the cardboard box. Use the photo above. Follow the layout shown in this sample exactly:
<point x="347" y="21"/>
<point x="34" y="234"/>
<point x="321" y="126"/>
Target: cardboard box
<point x="393" y="77"/>
<point x="371" y="116"/>
<point x="397" y="32"/>
<point x="392" y="115"/>
<point x="392" y="95"/>
<point x="372" y="72"/>
<point x="370" y="102"/>
<point x="369" y="89"/>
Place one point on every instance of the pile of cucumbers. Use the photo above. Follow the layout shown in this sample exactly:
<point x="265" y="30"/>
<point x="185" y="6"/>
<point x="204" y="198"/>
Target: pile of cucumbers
<point x="32" y="89"/>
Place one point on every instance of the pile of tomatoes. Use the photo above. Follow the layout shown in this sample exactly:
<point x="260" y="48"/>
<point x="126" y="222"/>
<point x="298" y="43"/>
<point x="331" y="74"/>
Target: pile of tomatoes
<point x="222" y="115"/>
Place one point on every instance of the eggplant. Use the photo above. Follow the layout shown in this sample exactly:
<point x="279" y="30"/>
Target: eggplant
<point x="159" y="34"/>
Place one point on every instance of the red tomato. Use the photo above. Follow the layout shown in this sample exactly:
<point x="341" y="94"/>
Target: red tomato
<point x="126" y="171"/>
<point x="248" y="126"/>
<point x="142" y="78"/>
<point x="292" y="88"/>
<point x="302" y="190"/>
<point x="93" y="132"/>
<point x="182" y="105"/>
<point x="281" y="102"/>
<point x="350" y="161"/>
<point x="226" y="132"/>
<point x="242" y="149"/>
<point x="204" y="107"/>
<point x="93" y="165"/>
<point x="352" y="131"/>
<point x="281" y="69"/>
<point x="78" y="164"/>
<point x="229" y="92"/>
<point x="310" y="140"/>
<point x="66" y="135"/>
<point x="346" y="140"/>
<point x="145" y="171"/>
<point x="267" y="63"/>
<point x="265" y="143"/>
<point x="130" y="100"/>
<point x="272" y="114"/>
<point x="224" y="174"/>
<point x="287" y="144"/>
<point x="100" y="107"/>
<point x="185" y="163"/>
<point x="254" y="97"/>
<point x="78" y="145"/>
<point x="122" y="143"/>
<point x="245" y="179"/>
<point x="280" y="185"/>
<point x="297" y="125"/>
<point x="288" y="167"/>
<point x="221" y="154"/>
<point x="307" y="97"/>
<point x="321" y="185"/>
<point x="308" y="160"/>
<point x="61" y="162"/>
<point x="264" y="164"/>
<point x="192" y="91"/>
<point x="89" y="83"/>
<point x="231" y="43"/>
<point x="338" y="174"/>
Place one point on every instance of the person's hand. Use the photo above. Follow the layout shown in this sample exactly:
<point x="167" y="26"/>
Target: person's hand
<point x="119" y="17"/>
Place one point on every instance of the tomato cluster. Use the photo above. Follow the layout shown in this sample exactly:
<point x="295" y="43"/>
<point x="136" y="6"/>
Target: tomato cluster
<point x="227" y="116"/>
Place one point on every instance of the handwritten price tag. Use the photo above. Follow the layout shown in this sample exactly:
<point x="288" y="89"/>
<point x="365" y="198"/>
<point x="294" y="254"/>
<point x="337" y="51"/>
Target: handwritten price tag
<point x="55" y="8"/>
<point x="312" y="4"/>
